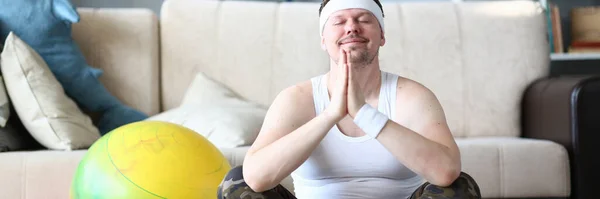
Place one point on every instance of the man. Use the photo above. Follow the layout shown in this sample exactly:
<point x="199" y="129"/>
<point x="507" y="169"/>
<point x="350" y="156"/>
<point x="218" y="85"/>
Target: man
<point x="356" y="131"/>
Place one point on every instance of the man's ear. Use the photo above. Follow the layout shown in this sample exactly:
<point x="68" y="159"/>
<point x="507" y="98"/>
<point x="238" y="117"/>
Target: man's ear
<point x="64" y="10"/>
<point x="382" y="38"/>
<point x="323" y="46"/>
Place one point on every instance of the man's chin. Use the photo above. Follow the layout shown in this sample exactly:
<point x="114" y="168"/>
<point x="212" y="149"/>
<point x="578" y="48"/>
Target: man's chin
<point x="356" y="52"/>
<point x="354" y="47"/>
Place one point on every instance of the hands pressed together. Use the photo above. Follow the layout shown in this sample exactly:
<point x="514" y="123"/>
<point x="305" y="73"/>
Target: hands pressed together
<point x="346" y="97"/>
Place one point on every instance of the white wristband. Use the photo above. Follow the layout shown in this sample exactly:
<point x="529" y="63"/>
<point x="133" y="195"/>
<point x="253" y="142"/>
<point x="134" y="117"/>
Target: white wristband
<point x="370" y="120"/>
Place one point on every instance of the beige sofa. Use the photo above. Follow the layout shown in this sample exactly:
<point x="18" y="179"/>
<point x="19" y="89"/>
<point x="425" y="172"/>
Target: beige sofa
<point x="478" y="58"/>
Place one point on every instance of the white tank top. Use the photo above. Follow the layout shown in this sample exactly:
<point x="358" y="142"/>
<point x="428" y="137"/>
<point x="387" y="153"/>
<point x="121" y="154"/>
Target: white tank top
<point x="354" y="167"/>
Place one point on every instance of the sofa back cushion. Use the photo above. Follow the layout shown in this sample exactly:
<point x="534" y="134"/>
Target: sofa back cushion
<point x="124" y="44"/>
<point x="477" y="57"/>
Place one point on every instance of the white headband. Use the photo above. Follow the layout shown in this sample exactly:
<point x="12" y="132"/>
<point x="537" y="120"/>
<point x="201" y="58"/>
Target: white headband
<point x="337" y="5"/>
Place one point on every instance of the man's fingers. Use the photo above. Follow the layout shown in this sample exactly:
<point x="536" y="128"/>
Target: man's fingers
<point x="346" y="83"/>
<point x="344" y="78"/>
<point x="343" y="73"/>
<point x="347" y="57"/>
<point x="346" y="72"/>
<point x="342" y="57"/>
<point x="350" y="73"/>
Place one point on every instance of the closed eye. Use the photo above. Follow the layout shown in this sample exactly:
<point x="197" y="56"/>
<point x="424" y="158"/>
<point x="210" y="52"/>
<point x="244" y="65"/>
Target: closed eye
<point x="339" y="22"/>
<point x="364" y="19"/>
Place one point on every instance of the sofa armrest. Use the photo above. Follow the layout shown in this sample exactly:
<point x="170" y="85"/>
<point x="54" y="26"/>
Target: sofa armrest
<point x="551" y="105"/>
<point x="566" y="110"/>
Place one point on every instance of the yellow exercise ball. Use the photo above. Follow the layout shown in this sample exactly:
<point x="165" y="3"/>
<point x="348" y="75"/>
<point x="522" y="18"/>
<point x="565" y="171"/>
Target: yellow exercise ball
<point x="150" y="159"/>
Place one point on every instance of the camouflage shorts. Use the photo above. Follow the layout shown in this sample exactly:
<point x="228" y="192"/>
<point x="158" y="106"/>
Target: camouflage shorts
<point x="464" y="187"/>
<point x="233" y="186"/>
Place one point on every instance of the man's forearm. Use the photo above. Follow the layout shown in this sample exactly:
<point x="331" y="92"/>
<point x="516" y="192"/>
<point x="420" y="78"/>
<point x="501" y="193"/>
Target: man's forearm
<point x="268" y="166"/>
<point x="434" y="161"/>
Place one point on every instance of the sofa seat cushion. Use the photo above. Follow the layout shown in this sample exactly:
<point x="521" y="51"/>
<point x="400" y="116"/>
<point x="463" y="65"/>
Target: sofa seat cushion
<point x="516" y="167"/>
<point x="503" y="168"/>
<point x="38" y="174"/>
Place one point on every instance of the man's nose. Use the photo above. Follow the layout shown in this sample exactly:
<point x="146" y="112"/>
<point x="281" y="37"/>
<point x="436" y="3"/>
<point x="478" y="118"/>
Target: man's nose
<point x="352" y="28"/>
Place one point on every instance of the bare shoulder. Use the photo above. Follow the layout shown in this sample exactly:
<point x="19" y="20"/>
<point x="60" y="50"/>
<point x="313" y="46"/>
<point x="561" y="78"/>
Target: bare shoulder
<point x="418" y="108"/>
<point x="416" y="104"/>
<point x="296" y="98"/>
<point x="413" y="93"/>
<point x="291" y="108"/>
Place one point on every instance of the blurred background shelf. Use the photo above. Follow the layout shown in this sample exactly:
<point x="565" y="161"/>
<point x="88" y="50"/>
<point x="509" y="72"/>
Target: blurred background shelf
<point x="563" y="64"/>
<point x="574" y="56"/>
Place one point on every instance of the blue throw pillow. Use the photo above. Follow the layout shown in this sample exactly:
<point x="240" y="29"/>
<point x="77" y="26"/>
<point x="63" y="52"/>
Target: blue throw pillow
<point x="46" y="26"/>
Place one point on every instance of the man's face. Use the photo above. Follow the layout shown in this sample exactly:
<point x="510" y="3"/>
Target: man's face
<point x="356" y="31"/>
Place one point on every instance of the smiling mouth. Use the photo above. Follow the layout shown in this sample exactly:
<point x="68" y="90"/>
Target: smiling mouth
<point x="349" y="43"/>
<point x="353" y="42"/>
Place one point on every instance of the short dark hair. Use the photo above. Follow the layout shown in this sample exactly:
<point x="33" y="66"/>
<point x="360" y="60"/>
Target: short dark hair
<point x="327" y="1"/>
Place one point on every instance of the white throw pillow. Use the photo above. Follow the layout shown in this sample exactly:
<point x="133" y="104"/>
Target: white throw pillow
<point x="215" y="112"/>
<point x="4" y="102"/>
<point x="51" y="117"/>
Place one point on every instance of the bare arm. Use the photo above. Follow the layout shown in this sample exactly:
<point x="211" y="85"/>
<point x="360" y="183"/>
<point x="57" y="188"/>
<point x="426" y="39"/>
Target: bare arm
<point x="289" y="135"/>
<point x="425" y="144"/>
<point x="291" y="132"/>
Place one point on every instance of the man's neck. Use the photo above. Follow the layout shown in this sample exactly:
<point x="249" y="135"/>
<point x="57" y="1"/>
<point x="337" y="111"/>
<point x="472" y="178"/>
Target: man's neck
<point x="368" y="76"/>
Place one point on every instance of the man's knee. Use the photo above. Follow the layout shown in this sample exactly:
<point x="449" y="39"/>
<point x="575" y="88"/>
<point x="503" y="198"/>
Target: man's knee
<point x="236" y="173"/>
<point x="467" y="183"/>
<point x="463" y="187"/>
<point x="231" y="183"/>
<point x="466" y="178"/>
